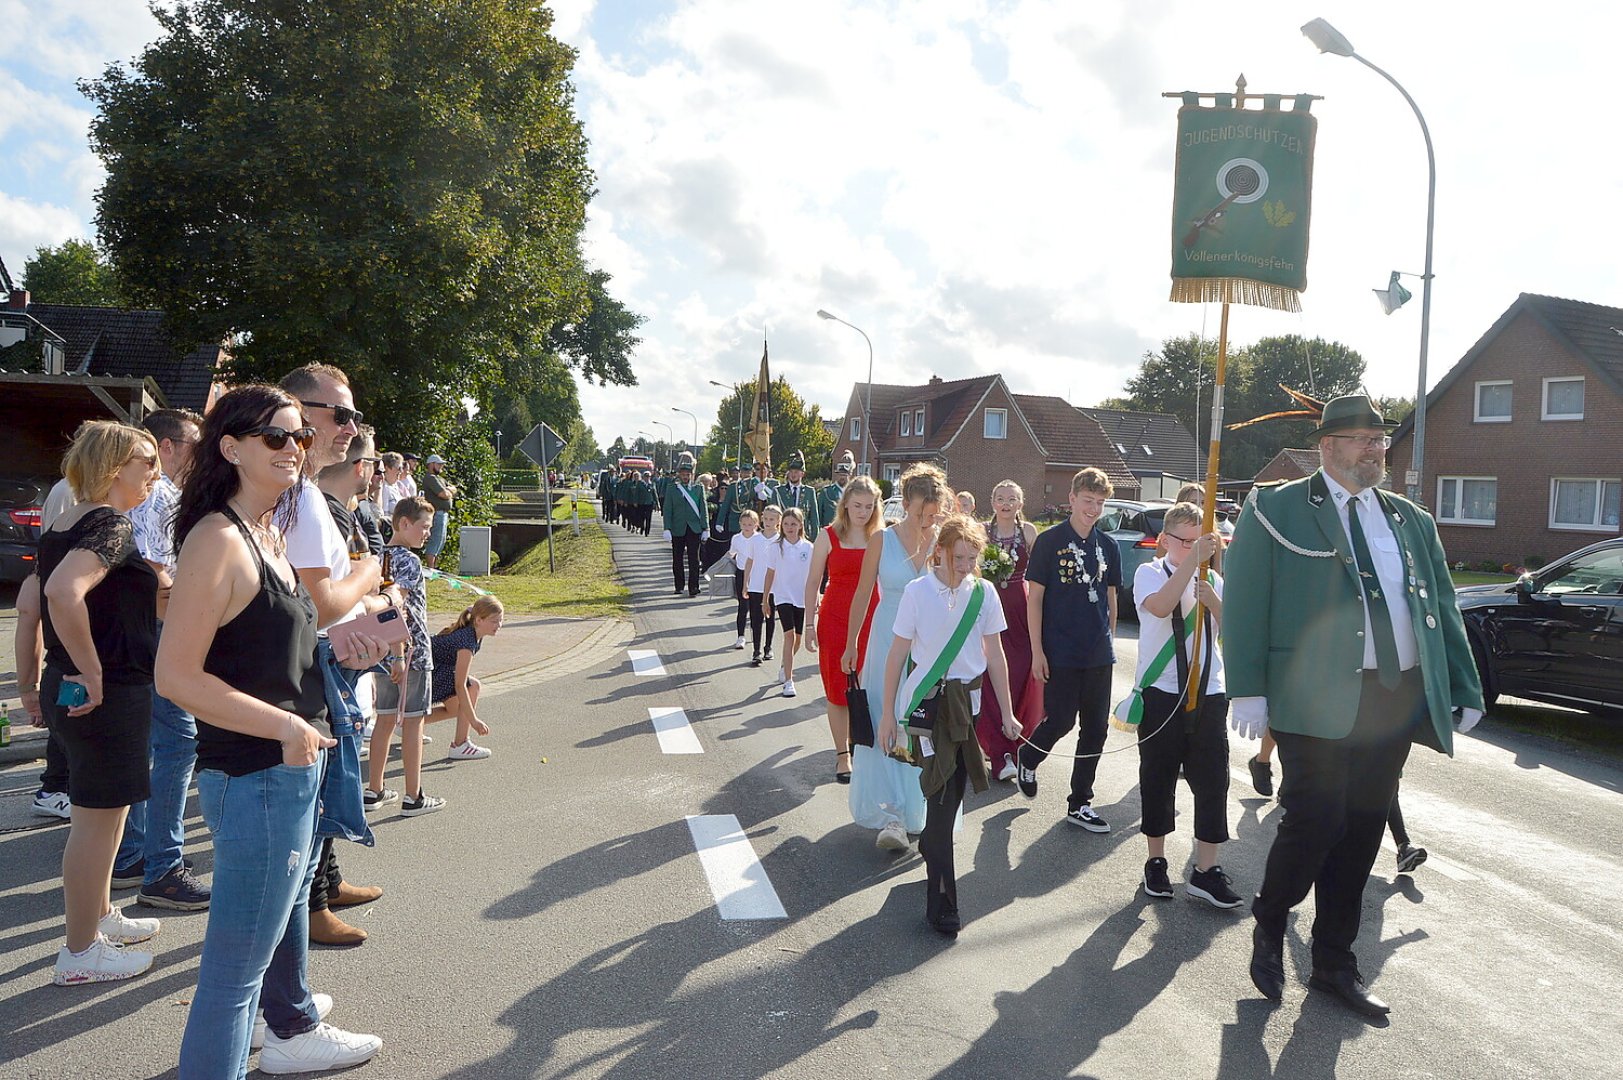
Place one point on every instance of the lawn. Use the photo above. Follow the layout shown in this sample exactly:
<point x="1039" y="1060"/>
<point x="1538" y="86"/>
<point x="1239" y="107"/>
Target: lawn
<point x="584" y="585"/>
<point x="1474" y="577"/>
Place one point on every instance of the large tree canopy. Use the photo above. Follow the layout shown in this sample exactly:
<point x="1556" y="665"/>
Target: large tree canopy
<point x="73" y="272"/>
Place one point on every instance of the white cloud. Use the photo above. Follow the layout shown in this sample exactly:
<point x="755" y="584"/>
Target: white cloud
<point x="26" y="225"/>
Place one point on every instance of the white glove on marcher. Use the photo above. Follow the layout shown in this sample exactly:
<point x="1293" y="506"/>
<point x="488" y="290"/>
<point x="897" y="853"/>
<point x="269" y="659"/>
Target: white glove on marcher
<point x="1248" y="716"/>
<point x="1469" y="718"/>
<point x="763" y="492"/>
<point x="705" y="535"/>
<point x="667" y="535"/>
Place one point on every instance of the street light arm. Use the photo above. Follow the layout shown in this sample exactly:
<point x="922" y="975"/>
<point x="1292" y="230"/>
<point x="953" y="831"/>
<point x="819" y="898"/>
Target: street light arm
<point x="867" y="397"/>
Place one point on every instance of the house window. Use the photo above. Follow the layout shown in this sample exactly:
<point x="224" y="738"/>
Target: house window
<point x="1564" y="398"/>
<point x="1467" y="500"/>
<point x="918" y="422"/>
<point x="856" y="429"/>
<point x="1584" y="504"/>
<point x="907" y="422"/>
<point x="996" y="425"/>
<point x="1492" y="402"/>
<point x="893" y="473"/>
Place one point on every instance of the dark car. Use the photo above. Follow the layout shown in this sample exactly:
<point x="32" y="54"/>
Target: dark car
<point x="20" y="502"/>
<point x="1555" y="635"/>
<point x="1136" y="527"/>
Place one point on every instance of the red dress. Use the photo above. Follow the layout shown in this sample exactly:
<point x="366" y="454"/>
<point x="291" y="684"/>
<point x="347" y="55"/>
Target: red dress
<point x="834" y="615"/>
<point x="1023" y="686"/>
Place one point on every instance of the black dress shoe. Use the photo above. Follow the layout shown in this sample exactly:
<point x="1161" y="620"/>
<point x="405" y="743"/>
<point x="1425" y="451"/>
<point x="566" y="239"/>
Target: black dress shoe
<point x="946" y="923"/>
<point x="1268" y="962"/>
<point x="1346" y="985"/>
<point x="1262" y="776"/>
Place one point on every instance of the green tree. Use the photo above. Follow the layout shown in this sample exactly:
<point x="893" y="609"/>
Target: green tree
<point x="1168" y="381"/>
<point x="795" y="426"/>
<point x="73" y="272"/>
<point x="395" y="187"/>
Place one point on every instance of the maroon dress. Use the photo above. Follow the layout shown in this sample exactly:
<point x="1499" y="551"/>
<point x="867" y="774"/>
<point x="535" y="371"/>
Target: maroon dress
<point x="1026" y="690"/>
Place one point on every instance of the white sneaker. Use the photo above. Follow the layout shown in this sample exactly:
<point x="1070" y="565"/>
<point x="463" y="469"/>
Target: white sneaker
<point x="788" y="688"/>
<point x="104" y="961"/>
<point x="1009" y="770"/>
<point x="739" y="644"/>
<point x="466" y="752"/>
<point x="892" y="837"/>
<point x="323" y="1004"/>
<point x="55" y="803"/>
<point x="121" y="930"/>
<point x="320" y="1050"/>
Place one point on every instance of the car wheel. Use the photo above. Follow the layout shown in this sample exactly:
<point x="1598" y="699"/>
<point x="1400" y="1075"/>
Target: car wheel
<point x="1490" y="692"/>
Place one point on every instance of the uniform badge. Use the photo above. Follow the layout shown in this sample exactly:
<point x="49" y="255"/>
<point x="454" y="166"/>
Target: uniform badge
<point x="1431" y="622"/>
<point x="1316" y="499"/>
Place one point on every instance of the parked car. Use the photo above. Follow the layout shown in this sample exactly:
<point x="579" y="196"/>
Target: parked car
<point x="1136" y="528"/>
<point x="1554" y="635"/>
<point x="893" y="511"/>
<point x="20" y="501"/>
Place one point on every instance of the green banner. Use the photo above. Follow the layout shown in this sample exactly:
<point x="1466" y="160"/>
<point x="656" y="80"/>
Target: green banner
<point x="1240" y="202"/>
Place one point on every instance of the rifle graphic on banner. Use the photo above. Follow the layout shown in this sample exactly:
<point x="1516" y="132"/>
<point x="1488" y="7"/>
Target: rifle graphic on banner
<point x="1242" y="192"/>
<point x="759" y="436"/>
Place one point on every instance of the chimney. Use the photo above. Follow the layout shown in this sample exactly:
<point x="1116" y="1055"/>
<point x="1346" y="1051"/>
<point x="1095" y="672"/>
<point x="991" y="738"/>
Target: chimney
<point x="18" y="300"/>
<point x="933" y="378"/>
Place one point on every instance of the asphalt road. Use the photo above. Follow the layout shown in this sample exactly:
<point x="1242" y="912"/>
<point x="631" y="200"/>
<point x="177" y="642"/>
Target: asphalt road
<point x="556" y="920"/>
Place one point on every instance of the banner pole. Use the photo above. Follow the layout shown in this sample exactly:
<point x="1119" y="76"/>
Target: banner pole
<point x="1208" y="521"/>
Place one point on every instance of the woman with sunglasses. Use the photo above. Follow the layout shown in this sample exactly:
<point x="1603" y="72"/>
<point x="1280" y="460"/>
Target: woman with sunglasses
<point x="239" y="652"/>
<point x="100" y="616"/>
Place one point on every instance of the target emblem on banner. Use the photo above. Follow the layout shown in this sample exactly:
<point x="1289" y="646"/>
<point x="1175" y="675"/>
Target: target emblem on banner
<point x="1242" y="180"/>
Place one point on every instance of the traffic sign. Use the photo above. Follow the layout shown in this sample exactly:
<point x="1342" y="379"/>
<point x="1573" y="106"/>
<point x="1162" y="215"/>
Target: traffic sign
<point x="542" y="445"/>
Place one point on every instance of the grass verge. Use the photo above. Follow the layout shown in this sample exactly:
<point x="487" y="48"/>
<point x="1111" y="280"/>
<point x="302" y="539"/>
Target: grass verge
<point x="1473" y="577"/>
<point x="584" y="585"/>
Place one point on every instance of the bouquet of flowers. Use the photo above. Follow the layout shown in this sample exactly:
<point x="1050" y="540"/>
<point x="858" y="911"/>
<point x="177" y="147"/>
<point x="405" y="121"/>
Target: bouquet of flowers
<point x="997" y="565"/>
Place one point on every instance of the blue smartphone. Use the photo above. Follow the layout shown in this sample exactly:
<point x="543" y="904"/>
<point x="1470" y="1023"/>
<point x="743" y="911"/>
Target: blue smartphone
<point x="72" y="695"/>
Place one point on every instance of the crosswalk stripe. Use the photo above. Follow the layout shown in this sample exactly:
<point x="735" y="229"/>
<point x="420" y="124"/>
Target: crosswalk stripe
<point x="737" y="879"/>
<point x="645" y="662"/>
<point x="675" y="734"/>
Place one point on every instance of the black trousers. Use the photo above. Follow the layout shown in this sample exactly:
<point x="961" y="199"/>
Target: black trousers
<point x="1080" y="698"/>
<point x="757" y="610"/>
<point x="685" y="562"/>
<point x="1169" y="736"/>
<point x="1337" y="794"/>
<point x="1394" y="821"/>
<point x="325" y="884"/>
<point x="743" y="599"/>
<point x="55" y="777"/>
<point x="935" y="845"/>
<point x="610" y="510"/>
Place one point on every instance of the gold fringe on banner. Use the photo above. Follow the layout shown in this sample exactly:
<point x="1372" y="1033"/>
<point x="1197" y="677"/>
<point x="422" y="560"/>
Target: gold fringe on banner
<point x="1233" y="290"/>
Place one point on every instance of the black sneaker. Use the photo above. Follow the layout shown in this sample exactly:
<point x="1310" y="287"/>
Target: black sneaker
<point x="1214" y="887"/>
<point x="130" y="877"/>
<point x="766" y="653"/>
<point x="1026" y="777"/>
<point x="1410" y="857"/>
<point x="755" y="661"/>
<point x="422" y="804"/>
<point x="1085" y="817"/>
<point x="178" y="890"/>
<point x="371" y="800"/>
<point x="1156" y="882"/>
<point x="1262" y="776"/>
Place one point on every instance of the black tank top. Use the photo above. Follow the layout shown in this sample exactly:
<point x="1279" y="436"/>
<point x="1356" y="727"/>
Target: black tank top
<point x="267" y="651"/>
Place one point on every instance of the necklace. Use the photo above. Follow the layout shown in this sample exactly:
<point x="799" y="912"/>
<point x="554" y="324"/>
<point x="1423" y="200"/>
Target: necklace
<point x="1093" y="580"/>
<point x="919" y="548"/>
<point x="262" y="536"/>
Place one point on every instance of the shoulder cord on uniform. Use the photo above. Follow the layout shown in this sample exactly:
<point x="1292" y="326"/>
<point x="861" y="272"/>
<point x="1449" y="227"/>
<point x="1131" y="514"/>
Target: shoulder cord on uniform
<point x="1256" y="509"/>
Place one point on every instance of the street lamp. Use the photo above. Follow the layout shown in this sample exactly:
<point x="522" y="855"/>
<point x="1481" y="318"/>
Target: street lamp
<point x="498" y="444"/>
<point x="1329" y="39"/>
<point x="670" y="440"/>
<point x="867" y="401"/>
<point x="695" y="420"/>
<point x="740" y="394"/>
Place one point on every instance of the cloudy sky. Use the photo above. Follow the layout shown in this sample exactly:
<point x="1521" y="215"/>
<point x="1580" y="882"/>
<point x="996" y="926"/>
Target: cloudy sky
<point x="985" y="185"/>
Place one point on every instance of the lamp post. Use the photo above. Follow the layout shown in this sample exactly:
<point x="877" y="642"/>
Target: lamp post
<point x="498" y="445"/>
<point x="670" y="439"/>
<point x="1329" y="39"/>
<point x="695" y="420"/>
<point x="740" y="394"/>
<point x="867" y="398"/>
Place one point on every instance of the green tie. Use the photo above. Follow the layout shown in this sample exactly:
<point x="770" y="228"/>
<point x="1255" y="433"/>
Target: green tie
<point x="1380" y="619"/>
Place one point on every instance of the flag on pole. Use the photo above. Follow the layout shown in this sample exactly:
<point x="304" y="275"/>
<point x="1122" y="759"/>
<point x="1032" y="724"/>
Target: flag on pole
<point x="759" y="437"/>
<point x="1394" y="295"/>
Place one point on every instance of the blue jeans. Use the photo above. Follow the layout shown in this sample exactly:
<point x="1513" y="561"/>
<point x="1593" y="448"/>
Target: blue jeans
<point x="436" y="534"/>
<point x="264" y="834"/>
<point x="342" y="811"/>
<point x="156" y="829"/>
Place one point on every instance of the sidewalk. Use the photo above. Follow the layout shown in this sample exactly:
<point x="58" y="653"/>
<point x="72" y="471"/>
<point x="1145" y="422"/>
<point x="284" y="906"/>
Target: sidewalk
<point x="529" y="649"/>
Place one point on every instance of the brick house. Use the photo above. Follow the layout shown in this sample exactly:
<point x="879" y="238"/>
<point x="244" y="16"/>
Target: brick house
<point x="981" y="433"/>
<point x="1288" y="465"/>
<point x="1524" y="436"/>
<point x="1156" y="447"/>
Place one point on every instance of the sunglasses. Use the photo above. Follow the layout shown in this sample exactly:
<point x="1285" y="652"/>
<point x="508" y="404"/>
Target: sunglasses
<point x="341" y="414"/>
<point x="276" y="438"/>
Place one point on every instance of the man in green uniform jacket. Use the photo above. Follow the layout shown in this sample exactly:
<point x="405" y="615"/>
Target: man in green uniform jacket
<point x="685" y="525"/>
<point x="730" y="503"/>
<point x="795" y="492"/>
<point x="828" y="497"/>
<point x="1341" y="634"/>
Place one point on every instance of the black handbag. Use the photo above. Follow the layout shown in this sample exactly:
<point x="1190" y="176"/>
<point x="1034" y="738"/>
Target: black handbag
<point x="856" y="701"/>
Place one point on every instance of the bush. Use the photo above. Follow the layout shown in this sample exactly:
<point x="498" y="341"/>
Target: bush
<point x="1535" y="562"/>
<point x="885" y="487"/>
<point x="1488" y="566"/>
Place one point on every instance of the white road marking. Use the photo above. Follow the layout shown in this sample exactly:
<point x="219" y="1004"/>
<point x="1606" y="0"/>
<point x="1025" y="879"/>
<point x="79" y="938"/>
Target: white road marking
<point x="675" y="734"/>
<point x="645" y="662"/>
<point x="737" y="879"/>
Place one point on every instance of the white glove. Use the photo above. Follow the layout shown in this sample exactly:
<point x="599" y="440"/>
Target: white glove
<point x="705" y="535"/>
<point x="763" y="492"/>
<point x="1469" y="718"/>
<point x="667" y="535"/>
<point x="1248" y="716"/>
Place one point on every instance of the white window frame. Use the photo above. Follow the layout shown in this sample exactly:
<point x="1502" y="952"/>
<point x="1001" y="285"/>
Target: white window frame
<point x="986" y="418"/>
<point x="893" y="473"/>
<point x="1595" y="525"/>
<point x="1476" y="403"/>
<point x="918" y="422"/>
<point x="856" y="429"/>
<point x="907" y="423"/>
<point x="1544" y="412"/>
<point x="1458" y="518"/>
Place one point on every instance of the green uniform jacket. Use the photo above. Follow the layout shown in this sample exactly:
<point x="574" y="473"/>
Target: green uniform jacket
<point x="680" y="518"/>
<point x="1293" y="617"/>
<point x="659" y="487"/>
<point x="754" y="501"/>
<point x="807" y="501"/>
<point x="729" y="507"/>
<point x="828" y="503"/>
<point x="642" y="493"/>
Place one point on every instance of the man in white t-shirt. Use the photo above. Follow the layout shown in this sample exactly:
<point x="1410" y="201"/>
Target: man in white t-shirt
<point x="1171" y="737"/>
